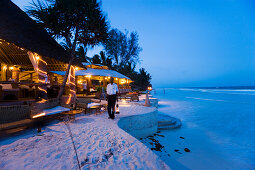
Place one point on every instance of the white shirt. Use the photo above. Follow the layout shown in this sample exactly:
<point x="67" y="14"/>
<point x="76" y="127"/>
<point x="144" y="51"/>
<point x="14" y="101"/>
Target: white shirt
<point x="112" y="89"/>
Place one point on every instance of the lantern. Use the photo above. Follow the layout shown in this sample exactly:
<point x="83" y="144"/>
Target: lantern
<point x="117" y="109"/>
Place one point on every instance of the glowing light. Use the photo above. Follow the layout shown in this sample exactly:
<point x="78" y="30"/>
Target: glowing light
<point x="72" y="91"/>
<point x="79" y="82"/>
<point x="109" y="77"/>
<point x="4" y="67"/>
<point x="42" y="60"/>
<point x="11" y="68"/>
<point x="41" y="71"/>
<point x="88" y="76"/>
<point x="116" y="78"/>
<point x="149" y="88"/>
<point x="37" y="58"/>
<point x="105" y="78"/>
<point x="72" y="83"/>
<point x="76" y="68"/>
<point x="72" y="76"/>
<point x="117" y="109"/>
<point x="39" y="115"/>
<point x="69" y="99"/>
<point x="123" y="81"/>
<point x="42" y="89"/>
<point x="42" y="81"/>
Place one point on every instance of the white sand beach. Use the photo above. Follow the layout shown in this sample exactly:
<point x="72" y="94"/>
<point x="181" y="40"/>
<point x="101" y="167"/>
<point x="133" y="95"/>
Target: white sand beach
<point x="100" y="144"/>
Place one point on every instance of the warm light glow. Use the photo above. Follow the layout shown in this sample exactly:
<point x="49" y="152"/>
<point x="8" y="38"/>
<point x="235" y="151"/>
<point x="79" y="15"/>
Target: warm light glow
<point x="72" y="76"/>
<point x="122" y="81"/>
<point x="4" y="68"/>
<point x="41" y="71"/>
<point x="116" y="78"/>
<point x="42" y="89"/>
<point x="42" y="60"/>
<point x="79" y="82"/>
<point x="69" y="99"/>
<point x="149" y="88"/>
<point x="105" y="78"/>
<point x="39" y="115"/>
<point x="109" y="77"/>
<point x="37" y="58"/>
<point x="76" y="68"/>
<point x="117" y="110"/>
<point x="11" y="68"/>
<point x="88" y="76"/>
<point x="72" y="83"/>
<point x="41" y="81"/>
<point x="72" y="91"/>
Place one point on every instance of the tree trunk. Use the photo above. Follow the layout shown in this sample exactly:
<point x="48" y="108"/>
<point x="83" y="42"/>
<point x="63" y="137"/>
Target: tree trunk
<point x="61" y="91"/>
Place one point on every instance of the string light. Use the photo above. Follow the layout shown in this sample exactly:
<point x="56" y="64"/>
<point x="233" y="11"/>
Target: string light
<point x="72" y="83"/>
<point x="4" y="67"/>
<point x="42" y="81"/>
<point x="43" y="61"/>
<point x="39" y="115"/>
<point x="41" y="71"/>
<point x="69" y="99"/>
<point x="72" y="91"/>
<point x="42" y="89"/>
<point x="72" y="76"/>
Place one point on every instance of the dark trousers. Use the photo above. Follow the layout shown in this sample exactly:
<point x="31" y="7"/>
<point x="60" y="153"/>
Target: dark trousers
<point x="111" y="105"/>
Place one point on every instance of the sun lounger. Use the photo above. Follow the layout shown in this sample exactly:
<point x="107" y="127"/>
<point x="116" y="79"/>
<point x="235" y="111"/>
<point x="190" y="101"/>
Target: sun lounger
<point x="47" y="108"/>
<point x="55" y="110"/>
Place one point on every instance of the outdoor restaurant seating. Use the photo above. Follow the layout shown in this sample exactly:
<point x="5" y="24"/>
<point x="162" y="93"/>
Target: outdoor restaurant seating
<point x="14" y="116"/>
<point x="8" y="93"/>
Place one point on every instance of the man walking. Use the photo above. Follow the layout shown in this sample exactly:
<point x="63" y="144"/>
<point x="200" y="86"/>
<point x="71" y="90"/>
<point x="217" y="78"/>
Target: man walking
<point x="112" y="90"/>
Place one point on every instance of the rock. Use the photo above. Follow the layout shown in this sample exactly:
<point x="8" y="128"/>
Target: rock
<point x="186" y="150"/>
<point x="181" y="137"/>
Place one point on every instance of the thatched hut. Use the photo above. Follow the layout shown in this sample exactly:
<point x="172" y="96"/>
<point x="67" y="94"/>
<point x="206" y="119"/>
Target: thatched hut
<point x="27" y="54"/>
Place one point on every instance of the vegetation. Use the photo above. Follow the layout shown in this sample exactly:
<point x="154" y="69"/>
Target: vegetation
<point x="80" y="24"/>
<point x="122" y="54"/>
<point x="76" y="22"/>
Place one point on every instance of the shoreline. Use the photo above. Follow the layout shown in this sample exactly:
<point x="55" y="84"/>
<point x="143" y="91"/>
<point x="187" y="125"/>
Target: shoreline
<point x="208" y="147"/>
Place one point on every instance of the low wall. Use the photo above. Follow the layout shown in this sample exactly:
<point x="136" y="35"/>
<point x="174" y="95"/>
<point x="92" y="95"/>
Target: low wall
<point x="141" y="125"/>
<point x="154" y="102"/>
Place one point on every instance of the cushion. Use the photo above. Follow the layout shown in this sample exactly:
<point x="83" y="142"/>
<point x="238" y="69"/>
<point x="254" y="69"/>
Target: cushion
<point x="55" y="110"/>
<point x="6" y="86"/>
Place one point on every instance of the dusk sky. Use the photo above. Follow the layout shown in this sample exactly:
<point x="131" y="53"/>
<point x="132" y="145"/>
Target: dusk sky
<point x="189" y="42"/>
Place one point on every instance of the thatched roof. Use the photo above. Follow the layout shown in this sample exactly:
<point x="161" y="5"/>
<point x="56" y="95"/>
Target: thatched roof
<point x="18" y="28"/>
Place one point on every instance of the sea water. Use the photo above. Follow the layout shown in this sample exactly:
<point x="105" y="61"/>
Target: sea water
<point x="218" y="127"/>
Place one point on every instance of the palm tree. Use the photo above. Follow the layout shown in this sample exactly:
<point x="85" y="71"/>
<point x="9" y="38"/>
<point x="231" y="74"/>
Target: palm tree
<point x="76" y="21"/>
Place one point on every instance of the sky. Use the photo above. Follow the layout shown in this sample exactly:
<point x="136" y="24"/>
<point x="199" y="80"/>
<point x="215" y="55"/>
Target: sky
<point x="189" y="43"/>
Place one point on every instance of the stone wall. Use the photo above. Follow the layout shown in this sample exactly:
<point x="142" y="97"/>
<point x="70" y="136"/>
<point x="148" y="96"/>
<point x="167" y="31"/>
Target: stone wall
<point x="140" y="126"/>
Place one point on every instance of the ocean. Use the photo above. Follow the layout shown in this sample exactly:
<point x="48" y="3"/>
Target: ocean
<point x="218" y="127"/>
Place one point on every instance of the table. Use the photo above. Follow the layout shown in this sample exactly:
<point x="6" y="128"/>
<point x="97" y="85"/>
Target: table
<point x="71" y="114"/>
